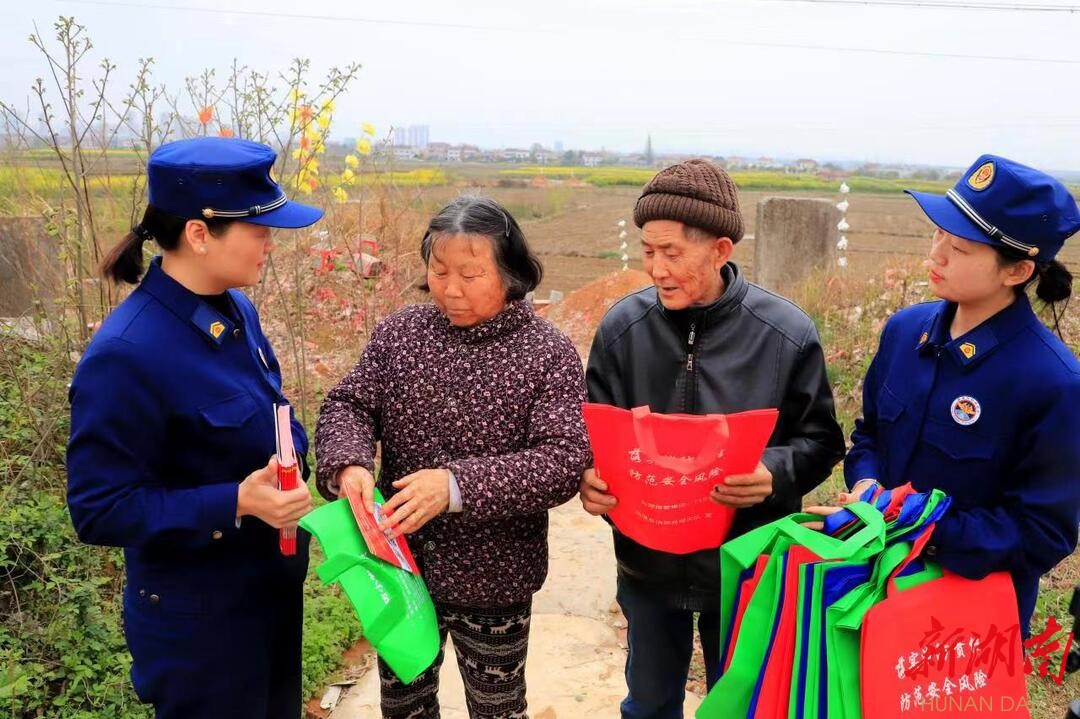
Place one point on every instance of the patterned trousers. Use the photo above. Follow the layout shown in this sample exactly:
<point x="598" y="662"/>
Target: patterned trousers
<point x="491" y="645"/>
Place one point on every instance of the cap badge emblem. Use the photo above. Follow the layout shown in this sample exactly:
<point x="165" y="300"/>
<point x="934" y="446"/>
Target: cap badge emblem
<point x="981" y="178"/>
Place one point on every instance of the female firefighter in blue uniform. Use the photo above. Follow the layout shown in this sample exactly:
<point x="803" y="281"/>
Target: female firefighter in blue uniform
<point x="972" y="394"/>
<point x="171" y="432"/>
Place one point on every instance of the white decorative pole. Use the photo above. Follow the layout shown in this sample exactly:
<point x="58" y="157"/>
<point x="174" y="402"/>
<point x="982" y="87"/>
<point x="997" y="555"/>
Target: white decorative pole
<point x="843" y="225"/>
<point x="622" y="244"/>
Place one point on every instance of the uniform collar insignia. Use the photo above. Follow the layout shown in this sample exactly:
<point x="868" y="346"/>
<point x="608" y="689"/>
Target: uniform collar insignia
<point x="211" y="323"/>
<point x="931" y="334"/>
<point x="185" y="304"/>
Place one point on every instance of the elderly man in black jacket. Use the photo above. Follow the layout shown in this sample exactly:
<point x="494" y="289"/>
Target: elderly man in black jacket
<point x="703" y="340"/>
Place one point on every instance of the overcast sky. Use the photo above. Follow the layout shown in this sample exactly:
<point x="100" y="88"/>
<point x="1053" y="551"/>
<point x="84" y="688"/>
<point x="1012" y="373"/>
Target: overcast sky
<point x="873" y="82"/>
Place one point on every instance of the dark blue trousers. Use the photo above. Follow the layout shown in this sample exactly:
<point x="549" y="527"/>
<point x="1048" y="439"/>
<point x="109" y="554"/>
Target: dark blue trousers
<point x="197" y="658"/>
<point x="660" y="639"/>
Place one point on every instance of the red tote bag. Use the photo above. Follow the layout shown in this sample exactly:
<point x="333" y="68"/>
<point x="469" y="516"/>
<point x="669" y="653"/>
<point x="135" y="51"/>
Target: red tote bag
<point x="661" y="469"/>
<point x="950" y="647"/>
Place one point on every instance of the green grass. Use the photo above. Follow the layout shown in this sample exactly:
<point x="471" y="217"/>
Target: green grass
<point x="420" y="177"/>
<point x="27" y="180"/>
<point x="751" y="180"/>
<point x="45" y="153"/>
<point x="599" y="176"/>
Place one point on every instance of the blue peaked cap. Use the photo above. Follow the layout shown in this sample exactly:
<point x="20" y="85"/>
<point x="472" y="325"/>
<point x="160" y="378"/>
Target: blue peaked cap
<point x="1000" y="202"/>
<point x="223" y="177"/>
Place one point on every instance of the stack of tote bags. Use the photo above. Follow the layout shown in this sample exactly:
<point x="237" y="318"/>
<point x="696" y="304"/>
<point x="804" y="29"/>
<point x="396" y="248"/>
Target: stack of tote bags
<point x="838" y="623"/>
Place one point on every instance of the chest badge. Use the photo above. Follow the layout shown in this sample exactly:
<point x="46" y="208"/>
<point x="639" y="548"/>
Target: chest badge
<point x="216" y="329"/>
<point x="965" y="410"/>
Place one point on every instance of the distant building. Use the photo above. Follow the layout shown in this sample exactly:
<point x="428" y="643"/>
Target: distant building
<point x="461" y="153"/>
<point x="806" y="165"/>
<point x="514" y="154"/>
<point x="418" y="136"/>
<point x="591" y="159"/>
<point x="438" y="151"/>
<point x="411" y="136"/>
<point x="547" y="157"/>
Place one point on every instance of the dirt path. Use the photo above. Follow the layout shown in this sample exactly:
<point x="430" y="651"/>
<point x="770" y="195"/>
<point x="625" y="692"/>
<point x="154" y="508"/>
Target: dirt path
<point x="576" y="646"/>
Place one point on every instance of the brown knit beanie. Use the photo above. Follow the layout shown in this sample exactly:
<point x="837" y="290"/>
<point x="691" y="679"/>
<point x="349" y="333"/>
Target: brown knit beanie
<point x="696" y="193"/>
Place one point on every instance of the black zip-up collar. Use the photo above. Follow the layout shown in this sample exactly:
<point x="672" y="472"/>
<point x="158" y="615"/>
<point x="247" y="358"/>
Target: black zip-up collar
<point x="690" y="323"/>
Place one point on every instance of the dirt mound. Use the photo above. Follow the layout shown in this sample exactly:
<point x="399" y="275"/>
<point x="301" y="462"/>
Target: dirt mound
<point x="579" y="313"/>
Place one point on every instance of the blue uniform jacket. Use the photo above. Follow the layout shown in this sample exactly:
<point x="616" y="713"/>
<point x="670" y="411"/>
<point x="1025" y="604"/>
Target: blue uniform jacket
<point x="993" y="419"/>
<point x="171" y="407"/>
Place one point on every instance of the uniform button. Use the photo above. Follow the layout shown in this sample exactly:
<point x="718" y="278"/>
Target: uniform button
<point x="236" y="333"/>
<point x="429" y="547"/>
<point x="142" y="592"/>
<point x="154" y="599"/>
<point x="216" y="534"/>
<point x="931" y="550"/>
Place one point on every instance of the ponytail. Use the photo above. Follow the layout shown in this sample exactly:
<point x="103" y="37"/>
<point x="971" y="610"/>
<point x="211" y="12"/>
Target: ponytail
<point x="1055" y="282"/>
<point x="124" y="263"/>
<point x="1055" y="285"/>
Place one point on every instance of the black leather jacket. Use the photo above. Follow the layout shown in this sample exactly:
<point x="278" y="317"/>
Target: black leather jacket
<point x="750" y="349"/>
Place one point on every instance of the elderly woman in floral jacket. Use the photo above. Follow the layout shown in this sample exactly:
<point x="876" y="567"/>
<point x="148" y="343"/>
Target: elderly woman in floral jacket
<point x="477" y="404"/>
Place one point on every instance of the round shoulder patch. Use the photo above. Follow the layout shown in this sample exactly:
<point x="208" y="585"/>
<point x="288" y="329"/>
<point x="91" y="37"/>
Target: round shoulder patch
<point x="982" y="177"/>
<point x="965" y="410"/>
